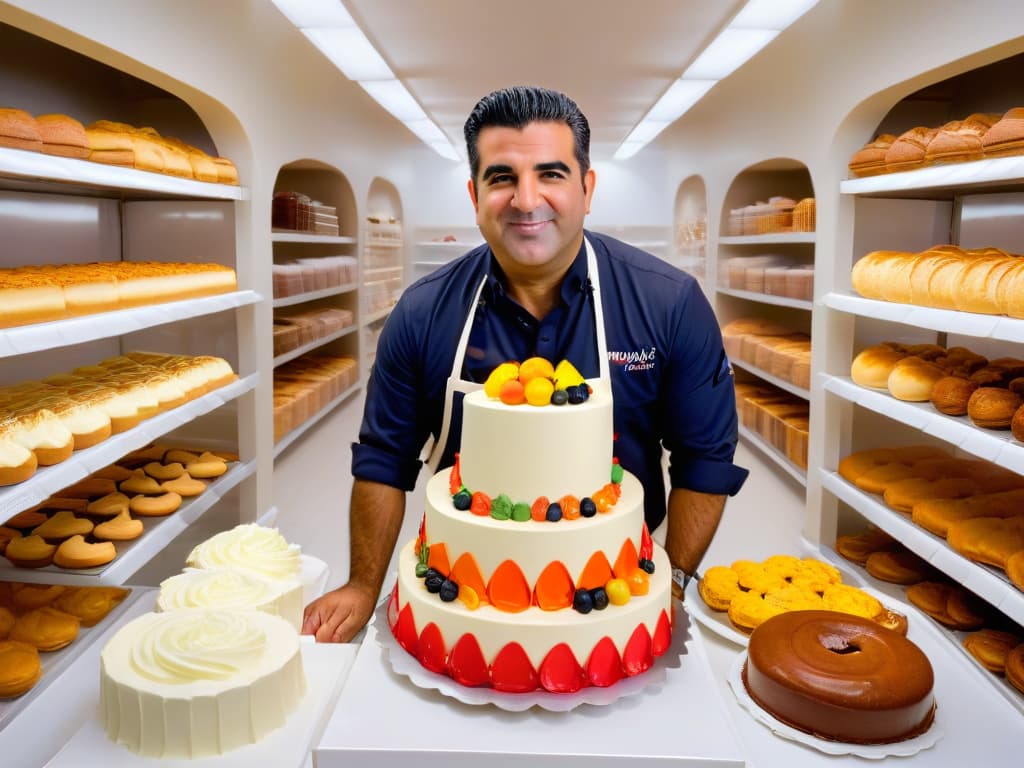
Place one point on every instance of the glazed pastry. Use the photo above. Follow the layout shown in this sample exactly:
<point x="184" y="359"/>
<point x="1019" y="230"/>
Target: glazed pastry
<point x="163" y="472"/>
<point x="45" y="628"/>
<point x="63" y="525"/>
<point x="123" y="527"/>
<point x="185" y="485"/>
<point x="748" y="610"/>
<point x="898" y="567"/>
<point x="155" y="506"/>
<point x="754" y="578"/>
<point x="20" y="668"/>
<point x="110" y="505"/>
<point x="897" y="622"/>
<point x="27" y="597"/>
<point x="30" y="552"/>
<point x="140" y="482"/>
<point x="90" y="604"/>
<point x="76" y="552"/>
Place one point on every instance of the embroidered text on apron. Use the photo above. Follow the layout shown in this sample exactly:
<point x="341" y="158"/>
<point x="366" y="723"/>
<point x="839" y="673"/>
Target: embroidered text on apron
<point x="456" y="383"/>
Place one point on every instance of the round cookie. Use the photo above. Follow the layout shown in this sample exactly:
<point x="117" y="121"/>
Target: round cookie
<point x="20" y="668"/>
<point x="898" y="567"/>
<point x="991" y="647"/>
<point x="846" y="599"/>
<point x="76" y="552"/>
<point x="718" y="586"/>
<point x="30" y="552"/>
<point x="45" y="628"/>
<point x="27" y="597"/>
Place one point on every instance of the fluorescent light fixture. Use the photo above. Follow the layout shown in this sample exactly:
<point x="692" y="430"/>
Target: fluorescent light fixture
<point x="679" y="97"/>
<point x="315" y="13"/>
<point x="350" y="51"/>
<point x="647" y="129"/>
<point x="770" y="14"/>
<point x="426" y="130"/>
<point x="393" y="96"/>
<point x="627" y="149"/>
<point x="727" y="52"/>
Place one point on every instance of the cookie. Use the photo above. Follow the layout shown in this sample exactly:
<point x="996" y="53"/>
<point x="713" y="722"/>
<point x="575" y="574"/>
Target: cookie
<point x="76" y="552"/>
<point x="20" y="668"/>
<point x="991" y="647"/>
<point x="45" y="628"/>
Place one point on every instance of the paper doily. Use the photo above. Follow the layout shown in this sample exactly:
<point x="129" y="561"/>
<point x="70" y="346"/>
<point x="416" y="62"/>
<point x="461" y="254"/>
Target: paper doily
<point x="403" y="663"/>
<point x="869" y="751"/>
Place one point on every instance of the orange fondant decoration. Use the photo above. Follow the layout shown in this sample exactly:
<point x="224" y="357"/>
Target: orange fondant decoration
<point x="466" y="572"/>
<point x="596" y="572"/>
<point x="508" y="590"/>
<point x="438" y="558"/>
<point x="554" y="589"/>
<point x="627" y="560"/>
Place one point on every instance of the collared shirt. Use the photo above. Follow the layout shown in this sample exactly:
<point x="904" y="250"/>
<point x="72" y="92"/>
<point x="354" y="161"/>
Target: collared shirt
<point x="671" y="382"/>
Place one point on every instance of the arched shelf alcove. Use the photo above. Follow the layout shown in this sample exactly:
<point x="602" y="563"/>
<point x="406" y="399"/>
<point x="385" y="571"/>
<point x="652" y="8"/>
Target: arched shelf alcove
<point x="316" y="297"/>
<point x="383" y="261"/>
<point x="691" y="228"/>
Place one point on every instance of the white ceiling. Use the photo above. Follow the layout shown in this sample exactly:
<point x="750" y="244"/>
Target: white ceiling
<point x="615" y="58"/>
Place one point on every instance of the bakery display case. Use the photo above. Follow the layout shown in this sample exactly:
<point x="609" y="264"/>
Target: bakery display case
<point x="691" y="229"/>
<point x="383" y="262"/>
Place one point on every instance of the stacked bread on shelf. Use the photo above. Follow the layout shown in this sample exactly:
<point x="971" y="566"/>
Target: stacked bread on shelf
<point x="112" y="143"/>
<point x="977" y="506"/>
<point x="977" y="136"/>
<point x="771" y="274"/>
<point x="984" y="280"/>
<point x="956" y="381"/>
<point x="297" y="328"/>
<point x="46" y="292"/>
<point x="771" y="347"/>
<point x="313" y="274"/>
<point x="778" y="214"/>
<point x="42" y="422"/>
<point x="304" y="386"/>
<point x="296" y="212"/>
<point x="781" y="419"/>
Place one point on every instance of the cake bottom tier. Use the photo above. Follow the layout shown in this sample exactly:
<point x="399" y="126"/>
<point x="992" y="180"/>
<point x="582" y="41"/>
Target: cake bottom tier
<point x="558" y="651"/>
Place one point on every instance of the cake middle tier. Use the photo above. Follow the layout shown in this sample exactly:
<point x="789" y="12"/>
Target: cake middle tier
<point x="534" y="545"/>
<point x="528" y="451"/>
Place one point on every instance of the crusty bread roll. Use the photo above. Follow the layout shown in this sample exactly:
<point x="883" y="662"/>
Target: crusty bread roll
<point x="63" y="136"/>
<point x="951" y="394"/>
<point x="869" y="160"/>
<point x="1006" y="137"/>
<point x="960" y="140"/>
<point x="993" y="408"/>
<point x="873" y="270"/>
<point x="18" y="130"/>
<point x="908" y="151"/>
<point x="110" y="147"/>
<point x="947" y="267"/>
<point x="872" y="366"/>
<point x="912" y="380"/>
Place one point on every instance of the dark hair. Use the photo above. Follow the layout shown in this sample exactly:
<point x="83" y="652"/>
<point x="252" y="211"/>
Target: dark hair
<point x="519" y="106"/>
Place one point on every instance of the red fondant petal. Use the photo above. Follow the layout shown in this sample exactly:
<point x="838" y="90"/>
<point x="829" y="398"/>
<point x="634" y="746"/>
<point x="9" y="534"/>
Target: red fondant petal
<point x="466" y="663"/>
<point x="646" y="545"/>
<point x="662" y="635"/>
<point x="604" y="667"/>
<point x="431" y="651"/>
<point x="393" y="607"/>
<point x="560" y="672"/>
<point x="512" y="671"/>
<point x="637" y="657"/>
<point x="405" y="630"/>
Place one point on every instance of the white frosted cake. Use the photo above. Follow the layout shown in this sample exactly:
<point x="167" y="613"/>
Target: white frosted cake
<point x="252" y="548"/>
<point x="195" y="683"/>
<point x="533" y="568"/>
<point x="232" y="588"/>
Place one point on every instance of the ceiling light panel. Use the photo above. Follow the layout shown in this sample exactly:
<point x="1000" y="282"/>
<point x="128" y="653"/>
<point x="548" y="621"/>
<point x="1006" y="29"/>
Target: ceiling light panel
<point x="395" y="98"/>
<point x="315" y="13"/>
<point x="727" y="52"/>
<point x="679" y="97"/>
<point x="771" y="14"/>
<point x="350" y="52"/>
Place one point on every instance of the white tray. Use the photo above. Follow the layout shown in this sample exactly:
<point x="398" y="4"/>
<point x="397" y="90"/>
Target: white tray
<point x="326" y="667"/>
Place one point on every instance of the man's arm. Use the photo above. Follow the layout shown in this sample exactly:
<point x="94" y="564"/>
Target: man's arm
<point x="375" y="519"/>
<point x="693" y="518"/>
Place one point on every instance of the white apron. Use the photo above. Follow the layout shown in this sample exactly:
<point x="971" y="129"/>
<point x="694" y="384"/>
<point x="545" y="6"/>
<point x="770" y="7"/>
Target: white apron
<point x="456" y="383"/>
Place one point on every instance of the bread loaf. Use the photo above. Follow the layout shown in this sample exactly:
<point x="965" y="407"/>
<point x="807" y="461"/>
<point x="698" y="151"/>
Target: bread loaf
<point x="960" y="140"/>
<point x="912" y="380"/>
<point x="908" y="151"/>
<point x="1006" y="137"/>
<point x="872" y="366"/>
<point x="869" y="160"/>
<point x="63" y="136"/>
<point x="18" y="130"/>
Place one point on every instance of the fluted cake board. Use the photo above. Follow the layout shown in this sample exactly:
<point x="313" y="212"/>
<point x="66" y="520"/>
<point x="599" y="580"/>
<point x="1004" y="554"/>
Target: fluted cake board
<point x="326" y="667"/>
<point x="381" y="720"/>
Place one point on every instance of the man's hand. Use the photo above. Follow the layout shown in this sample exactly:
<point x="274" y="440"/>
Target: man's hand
<point x="337" y="616"/>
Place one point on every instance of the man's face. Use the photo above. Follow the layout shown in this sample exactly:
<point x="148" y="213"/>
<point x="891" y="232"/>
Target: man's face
<point x="529" y="197"/>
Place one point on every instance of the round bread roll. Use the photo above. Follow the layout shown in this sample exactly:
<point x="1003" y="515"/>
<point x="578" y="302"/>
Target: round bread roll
<point x="951" y="393"/>
<point x="912" y="380"/>
<point x="871" y="368"/>
<point x="872" y="271"/>
<point x="993" y="408"/>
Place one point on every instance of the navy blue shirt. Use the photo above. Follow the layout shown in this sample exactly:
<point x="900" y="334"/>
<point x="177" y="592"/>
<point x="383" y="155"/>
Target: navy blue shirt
<point x="671" y="382"/>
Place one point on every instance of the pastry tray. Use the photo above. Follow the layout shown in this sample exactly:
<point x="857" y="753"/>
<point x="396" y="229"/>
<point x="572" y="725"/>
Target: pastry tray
<point x="56" y="662"/>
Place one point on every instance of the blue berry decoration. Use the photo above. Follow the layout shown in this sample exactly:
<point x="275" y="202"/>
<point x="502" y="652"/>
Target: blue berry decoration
<point x="559" y="397"/>
<point x="462" y="500"/>
<point x="554" y="512"/>
<point x="647" y="565"/>
<point x="587" y="507"/>
<point x="582" y="601"/>
<point x="600" y="598"/>
<point x="575" y="396"/>
<point x="449" y="590"/>
<point x="584" y="391"/>
<point x="433" y="582"/>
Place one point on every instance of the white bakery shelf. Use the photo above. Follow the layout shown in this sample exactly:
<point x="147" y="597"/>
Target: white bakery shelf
<point x="294" y="435"/>
<point x="769" y="451"/>
<point x="47" y="481"/>
<point x="768" y="298"/>
<point x="987" y="583"/>
<point x="951" y="321"/>
<point x="771" y="238"/>
<point x="942" y="181"/>
<point x="380" y="314"/>
<point x="302" y="298"/>
<point x="76" y="330"/>
<point x="36" y="167"/>
<point x="315" y="344"/>
<point x="63" y="706"/>
<point x="997" y="446"/>
<point x="132" y="555"/>
<point x="288" y="236"/>
<point x="772" y="379"/>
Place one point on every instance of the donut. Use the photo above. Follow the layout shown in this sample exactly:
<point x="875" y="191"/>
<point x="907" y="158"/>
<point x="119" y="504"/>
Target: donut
<point x="991" y="647"/>
<point x="45" y="628"/>
<point x="20" y="668"/>
<point x="794" y="598"/>
<point x="139" y="482"/>
<point x="155" y="506"/>
<point x="123" y="527"/>
<point x="753" y="577"/>
<point x="1015" y="667"/>
<point x="816" y="575"/>
<point x="718" y="586"/>
<point x="785" y="567"/>
<point x="76" y="552"/>
<point x="840" y="677"/>
<point x="898" y="567"/>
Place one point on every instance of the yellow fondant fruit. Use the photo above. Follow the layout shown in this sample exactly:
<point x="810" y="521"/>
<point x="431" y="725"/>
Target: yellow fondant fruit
<point x="469" y="597"/>
<point x="535" y="367"/>
<point x="501" y="374"/>
<point x="566" y="375"/>
<point x="618" y="591"/>
<point x="512" y="392"/>
<point x="538" y="391"/>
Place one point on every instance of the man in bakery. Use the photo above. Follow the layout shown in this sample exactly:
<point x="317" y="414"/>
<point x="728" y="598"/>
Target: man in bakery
<point x="541" y="286"/>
